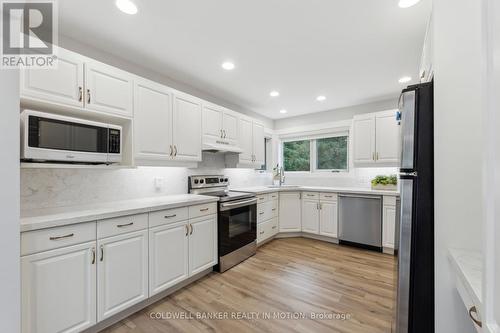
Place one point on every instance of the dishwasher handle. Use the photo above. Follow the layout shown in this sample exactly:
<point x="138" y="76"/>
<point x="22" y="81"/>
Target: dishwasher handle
<point x="360" y="196"/>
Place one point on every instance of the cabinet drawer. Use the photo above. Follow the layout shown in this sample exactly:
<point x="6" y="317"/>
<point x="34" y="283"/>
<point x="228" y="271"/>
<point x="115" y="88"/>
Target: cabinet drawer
<point x="389" y="200"/>
<point x="310" y="195"/>
<point x="121" y="225"/>
<point x="202" y="210"/>
<point x="273" y="226"/>
<point x="53" y="238"/>
<point x="168" y="216"/>
<point x="328" y="196"/>
<point x="274" y="196"/>
<point x="262" y="198"/>
<point x="267" y="229"/>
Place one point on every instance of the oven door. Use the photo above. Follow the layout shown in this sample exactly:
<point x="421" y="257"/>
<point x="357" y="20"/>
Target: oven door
<point x="237" y="224"/>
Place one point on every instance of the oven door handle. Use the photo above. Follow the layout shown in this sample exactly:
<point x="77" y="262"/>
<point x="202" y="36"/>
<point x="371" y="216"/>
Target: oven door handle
<point x="236" y="204"/>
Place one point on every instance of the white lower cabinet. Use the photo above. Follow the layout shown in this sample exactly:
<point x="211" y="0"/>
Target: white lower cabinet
<point x="290" y="212"/>
<point x="328" y="219"/>
<point x="389" y="221"/>
<point x="310" y="216"/>
<point x="58" y="290"/>
<point x="202" y="243"/>
<point x="168" y="256"/>
<point x="266" y="230"/>
<point x="122" y="273"/>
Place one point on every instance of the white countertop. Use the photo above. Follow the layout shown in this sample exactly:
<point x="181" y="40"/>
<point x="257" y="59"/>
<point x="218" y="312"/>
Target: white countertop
<point x="54" y="217"/>
<point x="358" y="190"/>
<point x="468" y="266"/>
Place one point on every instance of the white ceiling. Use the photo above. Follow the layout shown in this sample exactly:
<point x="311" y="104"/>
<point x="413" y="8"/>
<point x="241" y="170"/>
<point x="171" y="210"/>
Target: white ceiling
<point x="351" y="51"/>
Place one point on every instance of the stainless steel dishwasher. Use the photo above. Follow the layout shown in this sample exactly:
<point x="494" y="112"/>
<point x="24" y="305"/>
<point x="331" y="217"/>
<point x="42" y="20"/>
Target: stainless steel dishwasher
<point x="360" y="220"/>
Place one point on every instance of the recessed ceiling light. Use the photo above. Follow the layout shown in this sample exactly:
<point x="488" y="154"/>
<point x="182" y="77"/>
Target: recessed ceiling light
<point x="407" y="3"/>
<point x="274" y="93"/>
<point x="228" y="66"/>
<point x="405" y="79"/>
<point x="320" y="98"/>
<point x="283" y="111"/>
<point x="126" y="6"/>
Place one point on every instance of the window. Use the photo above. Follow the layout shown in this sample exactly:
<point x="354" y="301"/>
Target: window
<point x="331" y="153"/>
<point x="296" y="155"/>
<point x="267" y="153"/>
<point x="322" y="154"/>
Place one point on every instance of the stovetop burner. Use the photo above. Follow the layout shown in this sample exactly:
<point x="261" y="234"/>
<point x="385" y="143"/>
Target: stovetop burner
<point x="215" y="186"/>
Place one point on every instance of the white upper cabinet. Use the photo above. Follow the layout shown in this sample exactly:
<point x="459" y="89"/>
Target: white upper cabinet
<point x="387" y="138"/>
<point x="152" y="121"/>
<point x="230" y="127"/>
<point x="186" y="128"/>
<point x="212" y="122"/>
<point x="426" y="71"/>
<point x="59" y="290"/>
<point x="246" y="140"/>
<point x="108" y="89"/>
<point x="364" y="139"/>
<point x="259" y="153"/>
<point x="62" y="85"/>
<point x="122" y="272"/>
<point x="376" y="139"/>
<point x="202" y="243"/>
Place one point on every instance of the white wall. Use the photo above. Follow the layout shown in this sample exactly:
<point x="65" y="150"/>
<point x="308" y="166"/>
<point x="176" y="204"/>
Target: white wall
<point x="107" y="58"/>
<point x="9" y="201"/>
<point x="335" y="115"/>
<point x="458" y="150"/>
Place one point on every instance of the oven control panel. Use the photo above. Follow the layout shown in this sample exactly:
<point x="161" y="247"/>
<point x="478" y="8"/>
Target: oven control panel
<point x="207" y="181"/>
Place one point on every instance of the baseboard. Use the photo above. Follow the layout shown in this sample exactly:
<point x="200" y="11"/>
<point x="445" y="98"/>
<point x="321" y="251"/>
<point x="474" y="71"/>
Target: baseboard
<point x="388" y="250"/>
<point x="139" y="306"/>
<point x="307" y="235"/>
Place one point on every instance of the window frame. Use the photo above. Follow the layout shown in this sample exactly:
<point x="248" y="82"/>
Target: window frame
<point x="313" y="159"/>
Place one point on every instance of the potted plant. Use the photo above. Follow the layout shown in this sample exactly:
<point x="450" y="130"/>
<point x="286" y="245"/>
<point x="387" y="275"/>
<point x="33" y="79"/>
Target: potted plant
<point x="387" y="183"/>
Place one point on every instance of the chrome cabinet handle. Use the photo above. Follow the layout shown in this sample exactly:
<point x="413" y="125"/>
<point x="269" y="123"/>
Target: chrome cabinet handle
<point x="262" y="232"/>
<point x="273" y="209"/>
<point x="225" y="134"/>
<point x="80" y="94"/>
<point x="274" y="227"/>
<point x="473" y="310"/>
<point x="124" y="225"/>
<point x="93" y="255"/>
<point x="187" y="230"/>
<point x="221" y="134"/>
<point x="192" y="229"/>
<point x="376" y="156"/>
<point x="175" y="150"/>
<point x="203" y="209"/>
<point x="373" y="156"/>
<point x="310" y="195"/>
<point x="102" y="253"/>
<point x="261" y="213"/>
<point x="171" y="151"/>
<point x="61" y="237"/>
<point x="169" y="216"/>
<point x="88" y="96"/>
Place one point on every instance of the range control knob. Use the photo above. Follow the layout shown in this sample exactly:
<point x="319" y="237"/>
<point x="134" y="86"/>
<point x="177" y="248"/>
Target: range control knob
<point x="196" y="181"/>
<point x="226" y="180"/>
<point x="221" y="180"/>
<point x="202" y="181"/>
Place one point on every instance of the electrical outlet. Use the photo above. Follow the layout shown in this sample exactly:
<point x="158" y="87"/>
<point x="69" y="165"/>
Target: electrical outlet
<point x="159" y="184"/>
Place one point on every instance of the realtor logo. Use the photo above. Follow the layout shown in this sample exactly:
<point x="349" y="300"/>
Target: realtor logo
<point x="29" y="31"/>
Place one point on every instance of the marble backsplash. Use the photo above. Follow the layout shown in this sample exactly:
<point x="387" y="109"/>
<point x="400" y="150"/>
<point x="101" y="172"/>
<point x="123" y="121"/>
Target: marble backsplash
<point x="42" y="188"/>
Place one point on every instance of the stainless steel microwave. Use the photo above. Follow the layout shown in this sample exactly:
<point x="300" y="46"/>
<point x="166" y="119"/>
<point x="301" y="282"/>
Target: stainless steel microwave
<point x="50" y="137"/>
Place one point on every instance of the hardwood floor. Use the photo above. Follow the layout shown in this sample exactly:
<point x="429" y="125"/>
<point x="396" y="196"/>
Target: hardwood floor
<point x="287" y="278"/>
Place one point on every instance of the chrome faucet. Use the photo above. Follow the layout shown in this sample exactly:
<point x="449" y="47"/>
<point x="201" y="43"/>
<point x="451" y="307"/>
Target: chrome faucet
<point x="279" y="174"/>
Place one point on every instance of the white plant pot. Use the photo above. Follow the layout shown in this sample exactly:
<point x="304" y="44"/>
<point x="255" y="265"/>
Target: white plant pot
<point x="380" y="187"/>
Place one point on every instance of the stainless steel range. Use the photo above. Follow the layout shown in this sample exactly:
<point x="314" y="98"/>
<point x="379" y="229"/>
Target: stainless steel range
<point x="237" y="219"/>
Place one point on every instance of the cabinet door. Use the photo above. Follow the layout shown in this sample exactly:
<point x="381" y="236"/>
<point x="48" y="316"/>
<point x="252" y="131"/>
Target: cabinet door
<point x="212" y="122"/>
<point x="310" y="216"/>
<point x="328" y="219"/>
<point x="364" y="139"/>
<point x="388" y="138"/>
<point x="246" y="140"/>
<point x="168" y="256"/>
<point x="290" y="212"/>
<point x="59" y="290"/>
<point x="202" y="243"/>
<point x="63" y="85"/>
<point x="122" y="274"/>
<point x="230" y="126"/>
<point x="389" y="226"/>
<point x="108" y="89"/>
<point x="187" y="128"/>
<point x="258" y="145"/>
<point x="152" y="121"/>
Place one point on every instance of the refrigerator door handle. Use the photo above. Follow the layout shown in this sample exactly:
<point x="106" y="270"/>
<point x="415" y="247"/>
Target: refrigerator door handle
<point x="404" y="255"/>
<point x="408" y="130"/>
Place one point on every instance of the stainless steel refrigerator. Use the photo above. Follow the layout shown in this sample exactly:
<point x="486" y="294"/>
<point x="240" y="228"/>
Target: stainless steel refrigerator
<point x="415" y="280"/>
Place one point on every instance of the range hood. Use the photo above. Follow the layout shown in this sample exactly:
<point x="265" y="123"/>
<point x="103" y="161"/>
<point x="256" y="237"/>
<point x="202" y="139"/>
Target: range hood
<point x="221" y="148"/>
